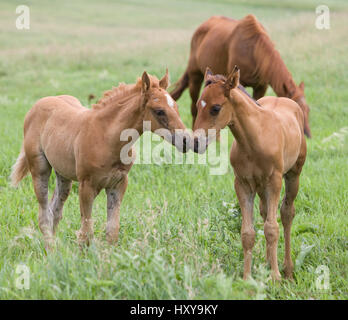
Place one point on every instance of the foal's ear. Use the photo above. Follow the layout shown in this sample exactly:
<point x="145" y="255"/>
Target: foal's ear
<point x="208" y="73"/>
<point x="164" y="82"/>
<point x="145" y="79"/>
<point x="301" y="85"/>
<point x="232" y="81"/>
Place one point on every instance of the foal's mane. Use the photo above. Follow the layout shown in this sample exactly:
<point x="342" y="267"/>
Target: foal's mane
<point x="123" y="93"/>
<point x="119" y="94"/>
<point x="269" y="65"/>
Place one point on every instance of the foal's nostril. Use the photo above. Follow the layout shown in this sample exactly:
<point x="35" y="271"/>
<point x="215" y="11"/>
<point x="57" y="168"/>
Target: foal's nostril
<point x="195" y="145"/>
<point x="184" y="141"/>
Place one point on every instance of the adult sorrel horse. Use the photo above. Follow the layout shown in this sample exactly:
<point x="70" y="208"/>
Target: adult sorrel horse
<point x="85" y="145"/>
<point x="269" y="144"/>
<point x="221" y="43"/>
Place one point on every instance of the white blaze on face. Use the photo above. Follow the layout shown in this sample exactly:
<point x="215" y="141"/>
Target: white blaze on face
<point x="203" y="103"/>
<point x="170" y="100"/>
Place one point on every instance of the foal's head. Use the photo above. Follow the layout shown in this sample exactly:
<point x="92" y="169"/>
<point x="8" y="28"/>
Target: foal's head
<point x="162" y="111"/>
<point x="214" y="110"/>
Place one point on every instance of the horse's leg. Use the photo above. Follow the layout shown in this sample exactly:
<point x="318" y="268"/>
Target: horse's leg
<point x="61" y="193"/>
<point x="114" y="199"/>
<point x="263" y="206"/>
<point x="40" y="170"/>
<point x="87" y="194"/>
<point x="287" y="212"/>
<point x="246" y="201"/>
<point x="259" y="91"/>
<point x="263" y="211"/>
<point x="271" y="227"/>
<point x="195" y="82"/>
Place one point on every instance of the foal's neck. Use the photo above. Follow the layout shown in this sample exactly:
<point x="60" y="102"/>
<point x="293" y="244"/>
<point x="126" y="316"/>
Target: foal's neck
<point x="121" y="116"/>
<point x="246" y="122"/>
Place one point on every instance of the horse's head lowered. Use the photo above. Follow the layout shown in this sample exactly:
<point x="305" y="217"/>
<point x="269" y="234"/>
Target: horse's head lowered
<point x="162" y="111"/>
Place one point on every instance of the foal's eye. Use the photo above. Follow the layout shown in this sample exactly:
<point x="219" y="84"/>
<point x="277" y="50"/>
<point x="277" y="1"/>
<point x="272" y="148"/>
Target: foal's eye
<point x="159" y="112"/>
<point x="215" y="109"/>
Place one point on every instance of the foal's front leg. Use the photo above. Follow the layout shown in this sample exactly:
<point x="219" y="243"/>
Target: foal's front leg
<point x="246" y="201"/>
<point x="271" y="227"/>
<point x="87" y="194"/>
<point x="114" y="199"/>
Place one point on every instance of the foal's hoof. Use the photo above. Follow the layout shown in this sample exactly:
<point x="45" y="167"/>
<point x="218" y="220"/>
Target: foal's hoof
<point x="84" y="239"/>
<point x="111" y="239"/>
<point x="276" y="277"/>
<point x="49" y="243"/>
<point x="288" y="273"/>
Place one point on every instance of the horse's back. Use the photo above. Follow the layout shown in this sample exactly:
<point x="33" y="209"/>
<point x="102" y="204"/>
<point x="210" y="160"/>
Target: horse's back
<point x="210" y="41"/>
<point x="65" y="105"/>
<point x="220" y="43"/>
<point x="71" y="100"/>
<point x="284" y="107"/>
<point x="215" y="22"/>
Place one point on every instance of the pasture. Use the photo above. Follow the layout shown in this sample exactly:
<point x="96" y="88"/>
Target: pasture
<point x="180" y="226"/>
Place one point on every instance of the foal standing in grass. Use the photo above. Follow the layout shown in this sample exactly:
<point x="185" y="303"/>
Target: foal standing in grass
<point x="84" y="145"/>
<point x="269" y="144"/>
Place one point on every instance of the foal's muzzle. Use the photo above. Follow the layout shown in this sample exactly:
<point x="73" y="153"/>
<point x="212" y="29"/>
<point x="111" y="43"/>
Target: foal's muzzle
<point x="200" y="144"/>
<point x="181" y="142"/>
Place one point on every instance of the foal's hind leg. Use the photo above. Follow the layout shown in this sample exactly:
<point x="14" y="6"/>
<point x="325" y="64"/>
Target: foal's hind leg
<point x="40" y="170"/>
<point x="195" y="82"/>
<point x="61" y="193"/>
<point x="287" y="212"/>
<point x="246" y="201"/>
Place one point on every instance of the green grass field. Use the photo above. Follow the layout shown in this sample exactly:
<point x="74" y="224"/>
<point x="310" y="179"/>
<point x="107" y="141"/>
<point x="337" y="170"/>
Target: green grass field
<point x="180" y="226"/>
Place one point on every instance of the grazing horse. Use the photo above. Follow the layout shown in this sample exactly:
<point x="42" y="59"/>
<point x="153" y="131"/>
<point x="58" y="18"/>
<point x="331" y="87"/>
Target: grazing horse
<point x="269" y="144"/>
<point x="85" y="145"/>
<point x="220" y="43"/>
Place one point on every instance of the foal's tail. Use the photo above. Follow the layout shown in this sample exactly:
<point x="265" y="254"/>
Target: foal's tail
<point x="20" y="169"/>
<point x="180" y="86"/>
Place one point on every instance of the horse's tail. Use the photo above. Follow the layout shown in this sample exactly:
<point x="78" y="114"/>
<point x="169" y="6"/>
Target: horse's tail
<point x="20" y="169"/>
<point x="180" y="86"/>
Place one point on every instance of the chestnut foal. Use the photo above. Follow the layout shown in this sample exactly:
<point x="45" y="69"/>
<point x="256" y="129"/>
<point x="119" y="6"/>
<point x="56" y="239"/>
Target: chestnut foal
<point x="269" y="144"/>
<point x="85" y="145"/>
